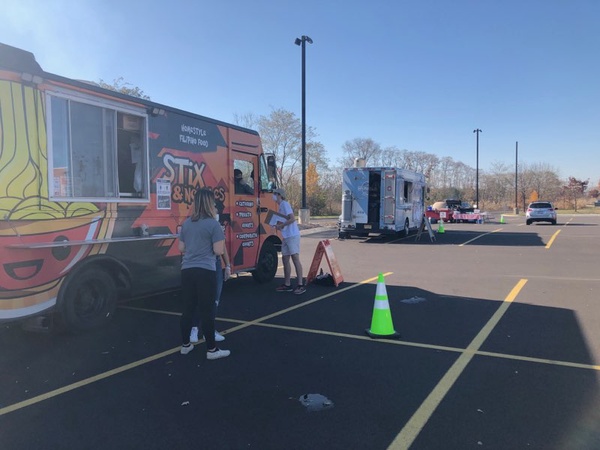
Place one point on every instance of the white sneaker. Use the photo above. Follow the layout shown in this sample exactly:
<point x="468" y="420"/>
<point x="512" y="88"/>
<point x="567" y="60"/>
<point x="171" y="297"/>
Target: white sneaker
<point x="218" y="354"/>
<point x="194" y="335"/>
<point x="186" y="349"/>
<point x="218" y="337"/>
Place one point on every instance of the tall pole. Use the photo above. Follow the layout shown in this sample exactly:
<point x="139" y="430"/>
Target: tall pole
<point x="302" y="42"/>
<point x="477" y="131"/>
<point x="516" y="178"/>
<point x="303" y="123"/>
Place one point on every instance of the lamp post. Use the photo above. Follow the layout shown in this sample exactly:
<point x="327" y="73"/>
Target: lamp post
<point x="477" y="131"/>
<point x="516" y="178"/>
<point x="302" y="42"/>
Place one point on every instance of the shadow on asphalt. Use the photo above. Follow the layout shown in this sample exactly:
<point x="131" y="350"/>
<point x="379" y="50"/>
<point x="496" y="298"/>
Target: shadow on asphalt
<point x="457" y="237"/>
<point x="521" y="394"/>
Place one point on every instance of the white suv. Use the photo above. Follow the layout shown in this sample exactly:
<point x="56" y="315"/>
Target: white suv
<point x="541" y="212"/>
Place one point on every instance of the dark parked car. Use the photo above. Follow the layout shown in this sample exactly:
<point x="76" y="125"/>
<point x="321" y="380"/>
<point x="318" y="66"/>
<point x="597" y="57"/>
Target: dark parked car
<point x="466" y="207"/>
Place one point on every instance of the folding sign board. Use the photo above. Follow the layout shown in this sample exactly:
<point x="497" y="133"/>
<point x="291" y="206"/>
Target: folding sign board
<point x="324" y="248"/>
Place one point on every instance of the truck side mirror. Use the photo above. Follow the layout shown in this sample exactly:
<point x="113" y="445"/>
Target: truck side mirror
<point x="272" y="171"/>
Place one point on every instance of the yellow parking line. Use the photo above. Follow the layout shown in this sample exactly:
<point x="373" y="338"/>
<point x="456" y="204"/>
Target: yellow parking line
<point x="445" y="348"/>
<point x="85" y="382"/>
<point x="157" y="311"/>
<point x="300" y="305"/>
<point x="401" y="239"/>
<point x="102" y="376"/>
<point x="418" y="420"/>
<point x="550" y="362"/>
<point x="552" y="239"/>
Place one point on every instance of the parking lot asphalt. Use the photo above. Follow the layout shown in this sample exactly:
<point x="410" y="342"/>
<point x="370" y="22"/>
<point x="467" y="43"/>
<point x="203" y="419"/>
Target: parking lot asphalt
<point x="499" y="348"/>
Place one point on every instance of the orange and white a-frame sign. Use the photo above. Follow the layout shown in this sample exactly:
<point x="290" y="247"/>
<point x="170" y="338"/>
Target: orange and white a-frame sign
<point x="324" y="247"/>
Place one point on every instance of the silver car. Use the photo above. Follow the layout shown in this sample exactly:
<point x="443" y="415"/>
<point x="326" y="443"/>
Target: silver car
<point x="540" y="212"/>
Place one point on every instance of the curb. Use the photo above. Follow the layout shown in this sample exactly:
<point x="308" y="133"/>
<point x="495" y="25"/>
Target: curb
<point x="316" y="230"/>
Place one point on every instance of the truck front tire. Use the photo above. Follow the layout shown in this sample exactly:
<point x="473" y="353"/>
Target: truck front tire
<point x="89" y="300"/>
<point x="266" y="267"/>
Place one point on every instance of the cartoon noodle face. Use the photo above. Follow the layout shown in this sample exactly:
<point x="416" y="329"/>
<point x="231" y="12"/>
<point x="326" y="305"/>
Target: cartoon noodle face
<point x="35" y="257"/>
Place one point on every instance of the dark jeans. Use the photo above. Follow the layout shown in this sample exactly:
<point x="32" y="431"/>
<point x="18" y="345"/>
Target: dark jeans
<point x="220" y="276"/>
<point x="219" y="286"/>
<point x="198" y="288"/>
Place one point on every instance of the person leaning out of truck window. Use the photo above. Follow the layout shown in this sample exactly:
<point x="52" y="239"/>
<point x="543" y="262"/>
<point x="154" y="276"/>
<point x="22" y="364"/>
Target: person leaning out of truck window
<point x="240" y="186"/>
<point x="201" y="239"/>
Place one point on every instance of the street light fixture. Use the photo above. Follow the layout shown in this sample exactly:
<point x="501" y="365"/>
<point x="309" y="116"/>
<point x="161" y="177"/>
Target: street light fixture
<point x="302" y="42"/>
<point x="477" y="131"/>
<point x="516" y="177"/>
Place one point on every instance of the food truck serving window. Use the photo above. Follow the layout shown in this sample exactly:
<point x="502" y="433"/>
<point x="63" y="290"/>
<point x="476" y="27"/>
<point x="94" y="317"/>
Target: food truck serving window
<point x="97" y="152"/>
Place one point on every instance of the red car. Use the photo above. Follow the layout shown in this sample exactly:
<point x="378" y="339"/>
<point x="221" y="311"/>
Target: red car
<point x="446" y="209"/>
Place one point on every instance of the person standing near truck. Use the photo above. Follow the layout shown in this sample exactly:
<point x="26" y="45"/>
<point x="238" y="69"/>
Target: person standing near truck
<point x="290" y="248"/>
<point x="200" y="240"/>
<point x="223" y="274"/>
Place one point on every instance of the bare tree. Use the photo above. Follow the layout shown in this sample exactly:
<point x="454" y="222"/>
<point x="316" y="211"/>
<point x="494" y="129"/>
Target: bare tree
<point x="365" y="148"/>
<point x="498" y="184"/>
<point x="391" y="157"/>
<point x="315" y="152"/>
<point x="246" y="120"/>
<point x="445" y="172"/>
<point x="545" y="180"/>
<point x="575" y="189"/>
<point x="122" y="86"/>
<point x="425" y="163"/>
<point x="281" y="134"/>
<point x="331" y="183"/>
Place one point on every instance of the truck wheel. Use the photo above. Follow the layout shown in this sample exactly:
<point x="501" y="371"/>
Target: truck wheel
<point x="89" y="301"/>
<point x="267" y="264"/>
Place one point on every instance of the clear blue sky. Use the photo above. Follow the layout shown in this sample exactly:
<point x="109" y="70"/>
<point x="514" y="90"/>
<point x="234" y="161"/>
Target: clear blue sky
<point x="418" y="75"/>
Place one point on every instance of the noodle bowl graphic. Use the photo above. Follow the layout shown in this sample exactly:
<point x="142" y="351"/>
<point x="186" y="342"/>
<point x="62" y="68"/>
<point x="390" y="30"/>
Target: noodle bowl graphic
<point x="32" y="227"/>
<point x="35" y="258"/>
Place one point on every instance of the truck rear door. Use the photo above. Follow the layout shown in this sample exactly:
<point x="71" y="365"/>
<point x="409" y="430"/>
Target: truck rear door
<point x="389" y="197"/>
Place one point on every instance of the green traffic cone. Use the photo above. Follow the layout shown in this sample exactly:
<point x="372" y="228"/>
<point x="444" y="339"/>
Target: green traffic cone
<point x="381" y="324"/>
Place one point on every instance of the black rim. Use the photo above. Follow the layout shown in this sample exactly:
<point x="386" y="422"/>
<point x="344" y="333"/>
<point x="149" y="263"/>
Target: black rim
<point x="91" y="298"/>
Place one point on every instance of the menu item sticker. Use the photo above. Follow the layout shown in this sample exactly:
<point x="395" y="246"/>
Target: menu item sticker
<point x="163" y="194"/>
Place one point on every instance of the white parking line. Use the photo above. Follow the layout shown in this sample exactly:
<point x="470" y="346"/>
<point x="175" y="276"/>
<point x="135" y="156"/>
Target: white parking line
<point x="480" y="236"/>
